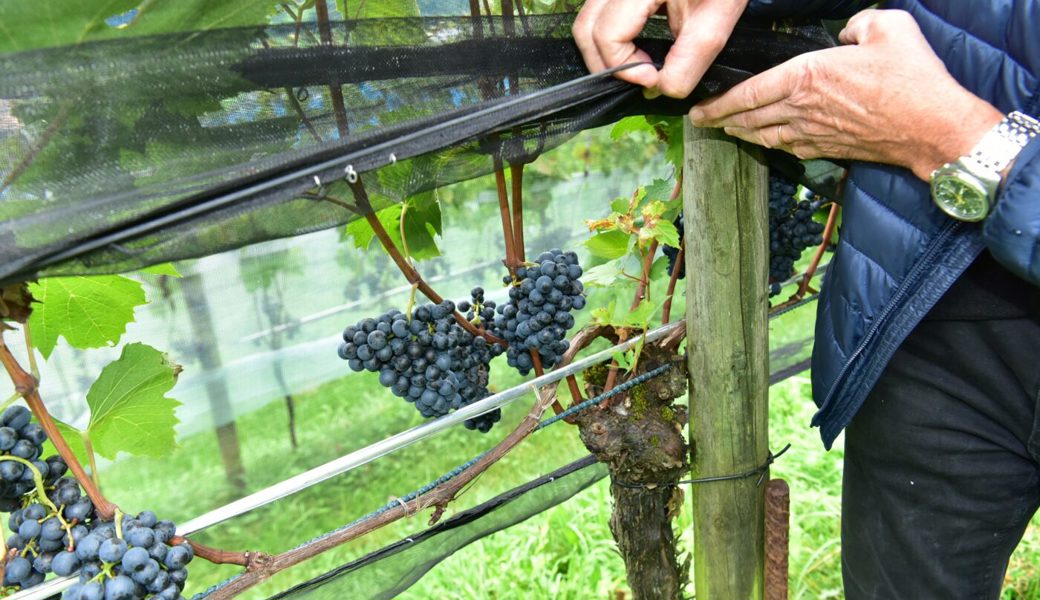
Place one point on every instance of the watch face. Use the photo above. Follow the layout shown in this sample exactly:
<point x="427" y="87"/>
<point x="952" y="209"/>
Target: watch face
<point x="960" y="197"/>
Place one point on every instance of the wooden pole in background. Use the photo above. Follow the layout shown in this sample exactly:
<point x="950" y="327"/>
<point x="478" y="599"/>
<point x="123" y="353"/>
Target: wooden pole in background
<point x="725" y="190"/>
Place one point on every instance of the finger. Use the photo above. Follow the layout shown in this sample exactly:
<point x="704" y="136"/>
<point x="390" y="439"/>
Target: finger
<point x="762" y="136"/>
<point x="582" y="29"/>
<point x="856" y="30"/>
<point x="761" y="90"/>
<point x="872" y="26"/>
<point x="614" y="32"/>
<point x="770" y="114"/>
<point x="703" y="33"/>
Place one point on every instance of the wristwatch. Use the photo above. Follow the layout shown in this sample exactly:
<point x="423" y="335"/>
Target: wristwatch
<point x="966" y="188"/>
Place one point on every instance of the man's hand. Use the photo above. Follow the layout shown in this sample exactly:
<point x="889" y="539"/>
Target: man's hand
<point x="605" y="30"/>
<point x="886" y="97"/>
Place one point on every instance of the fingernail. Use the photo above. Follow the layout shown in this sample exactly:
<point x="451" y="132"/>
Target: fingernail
<point x="696" y="115"/>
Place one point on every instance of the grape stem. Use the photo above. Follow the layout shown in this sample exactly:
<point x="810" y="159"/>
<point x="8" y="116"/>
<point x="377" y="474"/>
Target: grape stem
<point x="810" y="271"/>
<point x="26" y="385"/>
<point x="516" y="173"/>
<point x="40" y="493"/>
<point x="15" y="396"/>
<point x="413" y="276"/>
<point x="89" y="447"/>
<point x="216" y="556"/>
<point x="511" y="261"/>
<point x="666" y="310"/>
<point x="536" y="360"/>
<point x="642" y="291"/>
<point x="34" y="369"/>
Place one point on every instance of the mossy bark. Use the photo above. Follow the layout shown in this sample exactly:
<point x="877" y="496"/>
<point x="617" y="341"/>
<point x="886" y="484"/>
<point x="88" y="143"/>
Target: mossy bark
<point x="640" y="439"/>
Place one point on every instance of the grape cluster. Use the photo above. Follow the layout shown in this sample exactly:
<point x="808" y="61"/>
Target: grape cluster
<point x="791" y="229"/>
<point x="22" y="438"/>
<point x="132" y="562"/>
<point x="538" y="314"/>
<point x="427" y="358"/>
<point x="55" y="529"/>
<point x="43" y="532"/>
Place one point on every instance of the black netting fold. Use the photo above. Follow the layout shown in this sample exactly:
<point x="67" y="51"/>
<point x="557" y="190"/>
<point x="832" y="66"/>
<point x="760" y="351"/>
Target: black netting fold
<point x="391" y="570"/>
<point x="122" y="153"/>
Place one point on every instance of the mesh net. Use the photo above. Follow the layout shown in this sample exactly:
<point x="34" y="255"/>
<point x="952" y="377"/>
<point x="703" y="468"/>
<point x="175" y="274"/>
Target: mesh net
<point x="124" y="152"/>
<point x="391" y="570"/>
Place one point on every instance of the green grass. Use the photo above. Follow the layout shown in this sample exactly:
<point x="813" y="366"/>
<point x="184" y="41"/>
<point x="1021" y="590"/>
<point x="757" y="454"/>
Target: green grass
<point x="564" y="553"/>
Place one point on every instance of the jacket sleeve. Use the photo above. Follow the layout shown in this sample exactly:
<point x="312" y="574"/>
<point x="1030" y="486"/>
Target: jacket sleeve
<point x="823" y="9"/>
<point x="1012" y="231"/>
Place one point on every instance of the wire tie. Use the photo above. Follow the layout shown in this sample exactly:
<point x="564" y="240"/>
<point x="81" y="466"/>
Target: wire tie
<point x="409" y="540"/>
<point x="351" y="174"/>
<point x="760" y="470"/>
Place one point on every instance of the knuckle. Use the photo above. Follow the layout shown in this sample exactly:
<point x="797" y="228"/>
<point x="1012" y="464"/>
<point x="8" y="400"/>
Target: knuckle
<point x="750" y="96"/>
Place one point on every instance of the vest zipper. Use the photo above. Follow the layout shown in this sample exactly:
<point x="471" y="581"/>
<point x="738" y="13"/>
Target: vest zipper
<point x="911" y="280"/>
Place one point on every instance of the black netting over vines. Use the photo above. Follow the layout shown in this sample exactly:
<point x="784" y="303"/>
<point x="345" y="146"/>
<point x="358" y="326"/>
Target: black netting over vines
<point x="124" y="152"/>
<point x="390" y="571"/>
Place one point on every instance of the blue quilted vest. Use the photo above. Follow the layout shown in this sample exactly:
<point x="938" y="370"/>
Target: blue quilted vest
<point x="897" y="252"/>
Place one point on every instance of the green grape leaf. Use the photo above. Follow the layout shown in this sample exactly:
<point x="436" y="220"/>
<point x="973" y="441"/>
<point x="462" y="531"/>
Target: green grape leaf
<point x="663" y="231"/>
<point x="422" y="224"/>
<point x="28" y="25"/>
<point x="671" y="128"/>
<point x="660" y="190"/>
<point x="89" y="312"/>
<point x="604" y="275"/>
<point x="626" y="359"/>
<point x="608" y="245"/>
<point x="157" y="16"/>
<point x="129" y="411"/>
<point x="73" y="437"/>
<point x="640" y="317"/>
<point x="359" y="232"/>
<point x="619" y="205"/>
<point x="161" y="269"/>
<point x="659" y="270"/>
<point x="630" y="125"/>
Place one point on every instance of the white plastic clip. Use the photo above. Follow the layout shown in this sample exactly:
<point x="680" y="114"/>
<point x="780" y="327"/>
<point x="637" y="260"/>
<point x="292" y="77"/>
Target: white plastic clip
<point x="351" y="174"/>
<point x="393" y="158"/>
<point x="317" y="182"/>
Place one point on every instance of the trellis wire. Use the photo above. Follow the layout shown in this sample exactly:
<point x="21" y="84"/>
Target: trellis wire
<point x="623" y="387"/>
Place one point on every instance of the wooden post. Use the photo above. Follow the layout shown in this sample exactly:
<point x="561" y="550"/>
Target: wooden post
<point x="205" y="338"/>
<point x="725" y="190"/>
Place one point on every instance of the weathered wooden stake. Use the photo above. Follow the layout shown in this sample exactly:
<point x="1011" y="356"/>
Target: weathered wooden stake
<point x="725" y="189"/>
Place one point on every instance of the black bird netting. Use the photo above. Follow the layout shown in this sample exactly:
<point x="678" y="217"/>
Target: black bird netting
<point x="391" y="570"/>
<point x="158" y="134"/>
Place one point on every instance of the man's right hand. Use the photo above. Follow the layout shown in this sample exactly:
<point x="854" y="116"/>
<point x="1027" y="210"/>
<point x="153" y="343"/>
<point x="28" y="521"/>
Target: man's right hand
<point x="605" y="30"/>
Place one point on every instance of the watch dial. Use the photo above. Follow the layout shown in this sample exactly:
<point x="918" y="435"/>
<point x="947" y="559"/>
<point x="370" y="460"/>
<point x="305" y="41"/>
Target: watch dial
<point x="961" y="199"/>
